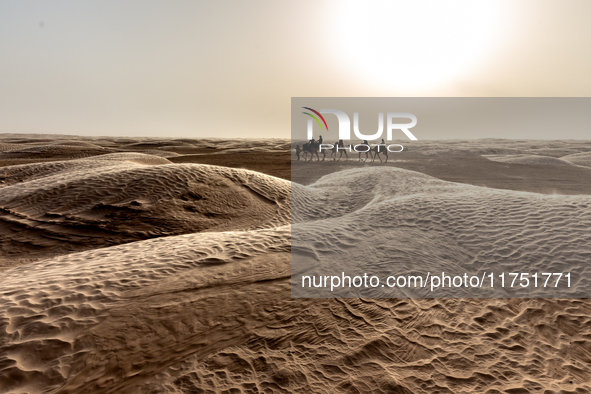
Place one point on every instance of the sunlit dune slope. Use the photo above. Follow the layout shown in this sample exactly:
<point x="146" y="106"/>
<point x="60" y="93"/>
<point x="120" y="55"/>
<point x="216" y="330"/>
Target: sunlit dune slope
<point x="111" y="199"/>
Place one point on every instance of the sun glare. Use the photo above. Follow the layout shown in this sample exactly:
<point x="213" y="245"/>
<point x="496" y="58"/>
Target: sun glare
<point x="415" y="44"/>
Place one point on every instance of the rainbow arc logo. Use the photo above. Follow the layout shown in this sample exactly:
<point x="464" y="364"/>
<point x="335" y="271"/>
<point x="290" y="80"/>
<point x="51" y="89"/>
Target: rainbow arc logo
<point x="315" y="118"/>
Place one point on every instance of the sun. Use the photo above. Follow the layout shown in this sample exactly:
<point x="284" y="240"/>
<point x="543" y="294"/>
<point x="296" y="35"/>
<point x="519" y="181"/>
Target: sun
<point x="415" y="44"/>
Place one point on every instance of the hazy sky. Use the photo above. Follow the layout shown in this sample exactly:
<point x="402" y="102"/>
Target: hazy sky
<point x="229" y="68"/>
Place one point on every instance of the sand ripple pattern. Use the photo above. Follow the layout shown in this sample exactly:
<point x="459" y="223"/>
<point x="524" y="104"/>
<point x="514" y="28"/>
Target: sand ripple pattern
<point x="68" y="318"/>
<point x="212" y="312"/>
<point x="385" y="221"/>
<point x="111" y="199"/>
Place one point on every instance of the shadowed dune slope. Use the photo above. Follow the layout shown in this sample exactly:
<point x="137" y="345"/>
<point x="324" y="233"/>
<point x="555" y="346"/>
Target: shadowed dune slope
<point x="212" y="312"/>
<point x="111" y="199"/>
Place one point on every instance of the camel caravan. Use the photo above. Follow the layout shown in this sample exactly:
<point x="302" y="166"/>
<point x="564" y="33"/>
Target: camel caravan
<point x="316" y="148"/>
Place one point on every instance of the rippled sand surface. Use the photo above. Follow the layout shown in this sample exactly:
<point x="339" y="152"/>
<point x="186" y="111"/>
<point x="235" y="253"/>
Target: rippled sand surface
<point x="128" y="272"/>
<point x="391" y="221"/>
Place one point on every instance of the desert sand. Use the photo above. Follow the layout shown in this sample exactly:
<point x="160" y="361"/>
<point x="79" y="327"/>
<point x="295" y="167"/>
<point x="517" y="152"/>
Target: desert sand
<point x="163" y="266"/>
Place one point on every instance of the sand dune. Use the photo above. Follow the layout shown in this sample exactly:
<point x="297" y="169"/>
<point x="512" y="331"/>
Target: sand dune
<point x="157" y="144"/>
<point x="24" y="149"/>
<point x="86" y="144"/>
<point x="388" y="220"/>
<point x="53" y="151"/>
<point x="529" y="159"/>
<point x="213" y="310"/>
<point x="256" y="149"/>
<point x="160" y="153"/>
<point x="581" y="159"/>
<point x="59" y="207"/>
<point x="4" y="147"/>
<point x="206" y="305"/>
<point x="81" y="303"/>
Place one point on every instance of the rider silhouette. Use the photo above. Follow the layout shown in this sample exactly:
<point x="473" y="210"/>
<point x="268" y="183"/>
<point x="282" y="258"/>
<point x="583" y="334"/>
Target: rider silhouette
<point x="366" y="152"/>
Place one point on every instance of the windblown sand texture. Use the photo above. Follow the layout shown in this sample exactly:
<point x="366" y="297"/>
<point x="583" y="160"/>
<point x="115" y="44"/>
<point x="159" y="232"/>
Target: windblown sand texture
<point x="389" y="221"/>
<point x="124" y="197"/>
<point x="127" y="272"/>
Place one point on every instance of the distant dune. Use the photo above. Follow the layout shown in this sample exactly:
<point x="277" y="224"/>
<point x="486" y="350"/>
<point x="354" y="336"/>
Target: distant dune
<point x="530" y="159"/>
<point x="582" y="159"/>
